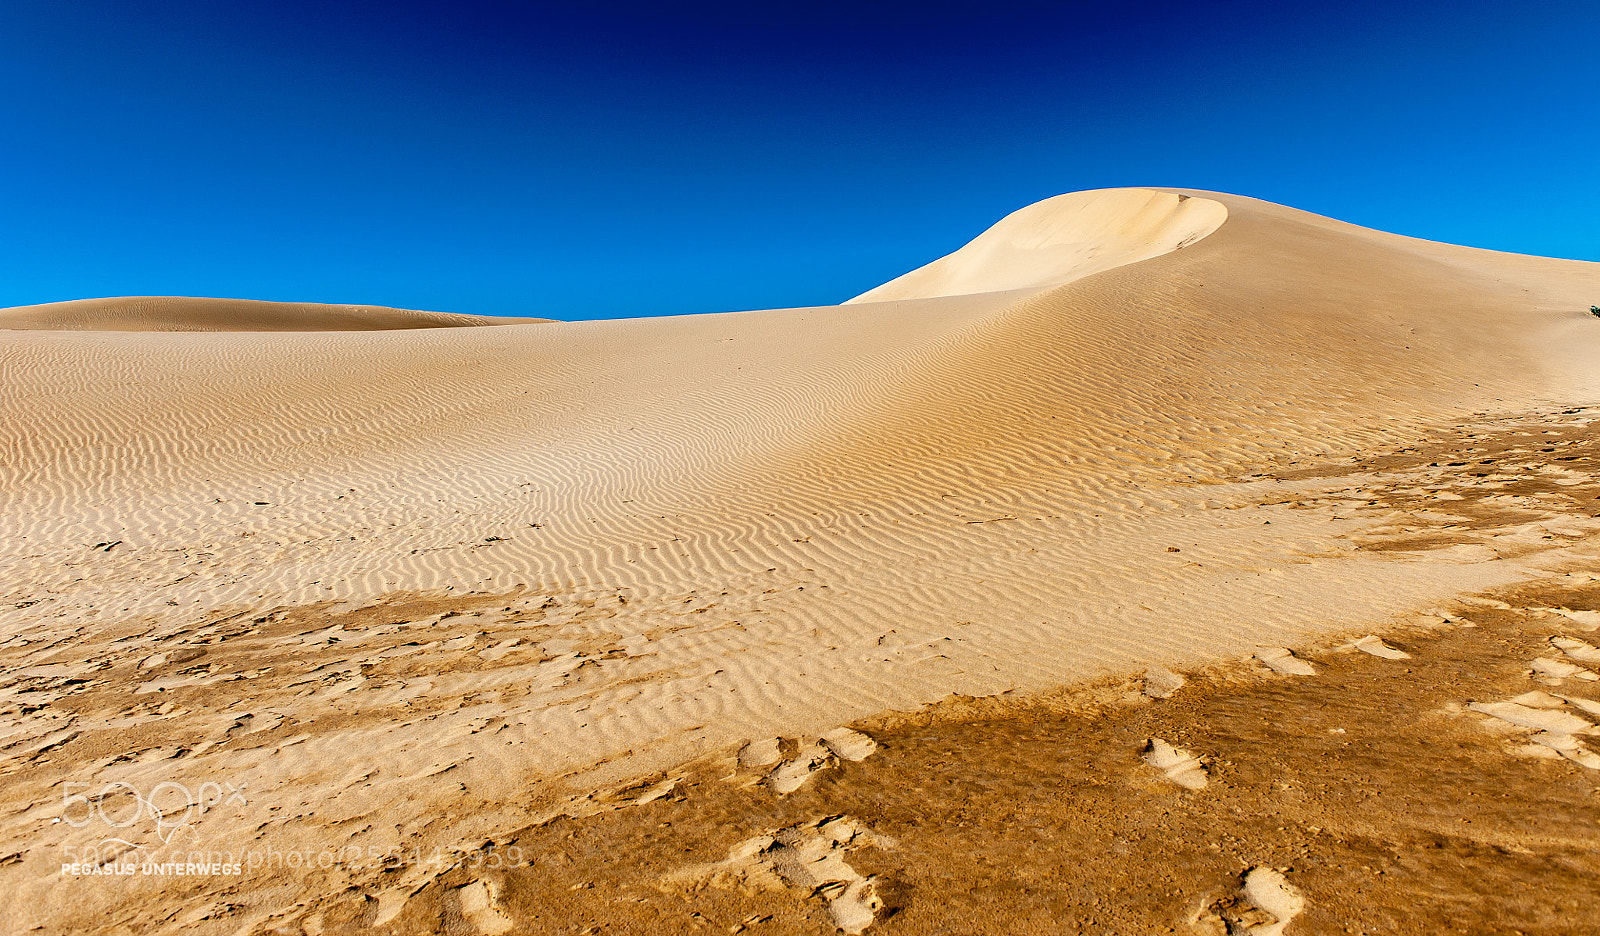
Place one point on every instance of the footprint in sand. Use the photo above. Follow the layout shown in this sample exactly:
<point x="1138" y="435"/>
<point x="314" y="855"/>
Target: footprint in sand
<point x="1525" y="716"/>
<point x="1161" y="683"/>
<point x="1179" y="765"/>
<point x="656" y="791"/>
<point x="806" y="859"/>
<point x="1587" y="705"/>
<point x="762" y="753"/>
<point x="1588" y="620"/>
<point x="1577" y="649"/>
<point x="849" y="745"/>
<point x="390" y="903"/>
<point x="1378" y="648"/>
<point x="1537" y="699"/>
<point x="480" y="904"/>
<point x="1551" y="671"/>
<point x="1281" y="661"/>
<point x="1556" y="728"/>
<point x="600" y="801"/>
<point x="1569" y="747"/>
<point x="793" y="773"/>
<point x="835" y="745"/>
<point x="1264" y="905"/>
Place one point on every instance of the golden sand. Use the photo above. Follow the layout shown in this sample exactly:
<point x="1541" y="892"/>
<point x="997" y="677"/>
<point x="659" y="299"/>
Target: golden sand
<point x="372" y="594"/>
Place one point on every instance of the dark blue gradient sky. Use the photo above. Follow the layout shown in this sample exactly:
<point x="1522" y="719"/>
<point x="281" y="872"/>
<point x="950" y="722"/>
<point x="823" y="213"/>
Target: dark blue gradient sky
<point x="601" y="160"/>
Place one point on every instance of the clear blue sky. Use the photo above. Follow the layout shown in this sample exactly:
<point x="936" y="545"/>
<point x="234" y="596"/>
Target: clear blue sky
<point x="600" y="160"/>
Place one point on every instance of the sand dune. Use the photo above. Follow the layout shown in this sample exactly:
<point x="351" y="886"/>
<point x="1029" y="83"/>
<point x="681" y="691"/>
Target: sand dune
<point x="1061" y="239"/>
<point x="444" y="583"/>
<point x="182" y="313"/>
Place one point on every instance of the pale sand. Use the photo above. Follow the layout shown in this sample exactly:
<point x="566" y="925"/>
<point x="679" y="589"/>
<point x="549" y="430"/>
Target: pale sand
<point x="666" y="537"/>
<point x="1061" y="239"/>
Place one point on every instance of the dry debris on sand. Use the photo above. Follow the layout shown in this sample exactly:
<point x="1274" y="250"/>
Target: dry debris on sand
<point x="1375" y="798"/>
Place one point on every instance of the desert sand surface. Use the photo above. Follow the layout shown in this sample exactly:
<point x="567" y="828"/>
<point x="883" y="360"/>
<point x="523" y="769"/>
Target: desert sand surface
<point x="1160" y="561"/>
<point x="185" y="313"/>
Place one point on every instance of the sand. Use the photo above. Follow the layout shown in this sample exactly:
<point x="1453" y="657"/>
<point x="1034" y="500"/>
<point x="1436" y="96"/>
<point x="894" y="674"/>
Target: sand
<point x="373" y="597"/>
<point x="184" y="313"/>
<point x="1059" y="240"/>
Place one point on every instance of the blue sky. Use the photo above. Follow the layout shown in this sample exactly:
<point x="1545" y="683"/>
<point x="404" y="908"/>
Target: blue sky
<point x="610" y="160"/>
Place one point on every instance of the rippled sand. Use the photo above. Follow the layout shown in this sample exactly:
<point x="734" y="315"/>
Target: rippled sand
<point x="395" y="593"/>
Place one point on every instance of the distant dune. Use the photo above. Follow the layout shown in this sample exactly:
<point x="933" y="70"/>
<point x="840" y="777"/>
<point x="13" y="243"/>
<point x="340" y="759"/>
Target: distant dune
<point x="183" y="313"/>
<point x="419" y="587"/>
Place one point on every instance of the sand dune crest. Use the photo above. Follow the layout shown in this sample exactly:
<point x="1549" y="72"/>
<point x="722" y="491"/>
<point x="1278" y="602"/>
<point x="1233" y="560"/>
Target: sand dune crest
<point x="1059" y="240"/>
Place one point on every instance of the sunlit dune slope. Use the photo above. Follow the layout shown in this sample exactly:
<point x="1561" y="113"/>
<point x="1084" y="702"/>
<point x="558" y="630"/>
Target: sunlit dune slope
<point x="659" y="537"/>
<point x="183" y="313"/>
<point x="1280" y="332"/>
<point x="1062" y="239"/>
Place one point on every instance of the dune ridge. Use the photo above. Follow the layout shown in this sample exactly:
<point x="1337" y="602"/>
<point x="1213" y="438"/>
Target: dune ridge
<point x="663" y="537"/>
<point x="1061" y="239"/>
<point x="185" y="313"/>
